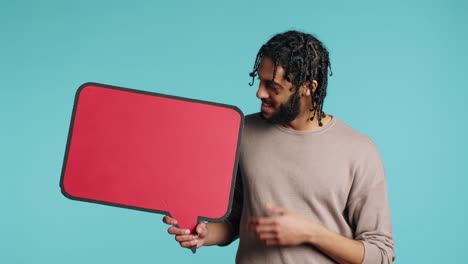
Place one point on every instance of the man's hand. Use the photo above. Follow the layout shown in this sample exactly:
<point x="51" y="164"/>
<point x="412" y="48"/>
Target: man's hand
<point x="285" y="228"/>
<point x="184" y="237"/>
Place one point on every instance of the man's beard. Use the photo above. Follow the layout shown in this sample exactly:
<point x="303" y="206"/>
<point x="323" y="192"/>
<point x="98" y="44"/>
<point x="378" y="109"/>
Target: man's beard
<point x="287" y="111"/>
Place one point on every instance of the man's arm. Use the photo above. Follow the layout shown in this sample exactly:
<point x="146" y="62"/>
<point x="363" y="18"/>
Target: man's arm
<point x="219" y="234"/>
<point x="367" y="212"/>
<point x="342" y="249"/>
<point x="288" y="228"/>
<point x="368" y="208"/>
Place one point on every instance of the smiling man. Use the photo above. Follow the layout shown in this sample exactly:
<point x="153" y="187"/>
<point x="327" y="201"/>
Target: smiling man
<point x="310" y="188"/>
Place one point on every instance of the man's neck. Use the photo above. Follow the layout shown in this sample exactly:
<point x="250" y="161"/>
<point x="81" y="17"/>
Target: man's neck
<point x="303" y="123"/>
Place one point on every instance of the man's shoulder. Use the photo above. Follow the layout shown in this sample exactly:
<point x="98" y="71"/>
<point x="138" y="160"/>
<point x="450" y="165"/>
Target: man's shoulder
<point x="351" y="134"/>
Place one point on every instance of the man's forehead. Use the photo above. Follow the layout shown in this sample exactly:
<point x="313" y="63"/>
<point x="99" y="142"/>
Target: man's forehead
<point x="266" y="68"/>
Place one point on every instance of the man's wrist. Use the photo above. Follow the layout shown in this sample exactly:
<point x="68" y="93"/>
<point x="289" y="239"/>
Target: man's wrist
<point x="314" y="233"/>
<point x="219" y="233"/>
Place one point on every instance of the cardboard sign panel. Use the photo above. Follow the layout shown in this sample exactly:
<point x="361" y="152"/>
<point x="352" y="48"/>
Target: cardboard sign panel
<point x="152" y="152"/>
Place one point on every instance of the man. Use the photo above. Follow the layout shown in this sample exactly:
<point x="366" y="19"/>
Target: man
<point x="310" y="189"/>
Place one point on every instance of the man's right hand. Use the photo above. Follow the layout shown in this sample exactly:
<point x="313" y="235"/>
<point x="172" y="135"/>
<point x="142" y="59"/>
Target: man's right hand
<point x="183" y="236"/>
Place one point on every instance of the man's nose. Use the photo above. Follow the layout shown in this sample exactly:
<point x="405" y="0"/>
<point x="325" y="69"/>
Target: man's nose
<point x="262" y="92"/>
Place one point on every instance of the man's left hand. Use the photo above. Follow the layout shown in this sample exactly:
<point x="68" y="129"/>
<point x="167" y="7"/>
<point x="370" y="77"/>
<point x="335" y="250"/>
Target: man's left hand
<point x="286" y="228"/>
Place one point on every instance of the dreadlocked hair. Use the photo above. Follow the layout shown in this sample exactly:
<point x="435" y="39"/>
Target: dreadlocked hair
<point x="303" y="58"/>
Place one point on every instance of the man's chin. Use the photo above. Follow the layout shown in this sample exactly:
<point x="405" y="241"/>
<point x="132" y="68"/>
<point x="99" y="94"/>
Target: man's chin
<point x="266" y="116"/>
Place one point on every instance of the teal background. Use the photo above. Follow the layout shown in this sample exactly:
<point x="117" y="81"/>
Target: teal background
<point x="399" y="70"/>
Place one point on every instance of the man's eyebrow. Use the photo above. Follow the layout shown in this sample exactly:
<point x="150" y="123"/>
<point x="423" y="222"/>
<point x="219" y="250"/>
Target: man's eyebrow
<point x="274" y="83"/>
<point x="270" y="82"/>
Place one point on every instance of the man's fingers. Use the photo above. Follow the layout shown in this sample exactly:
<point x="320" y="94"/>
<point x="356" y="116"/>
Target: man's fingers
<point x="177" y="231"/>
<point x="169" y="220"/>
<point x="259" y="228"/>
<point x="267" y="236"/>
<point x="271" y="242"/>
<point x="189" y="243"/>
<point x="202" y="230"/>
<point x="264" y="228"/>
<point x="184" y="238"/>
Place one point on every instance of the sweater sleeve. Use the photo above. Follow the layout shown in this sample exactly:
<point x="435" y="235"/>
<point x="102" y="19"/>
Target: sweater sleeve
<point x="236" y="210"/>
<point x="368" y="209"/>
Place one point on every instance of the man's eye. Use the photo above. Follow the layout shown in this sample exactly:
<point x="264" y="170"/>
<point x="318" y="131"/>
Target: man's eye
<point x="273" y="88"/>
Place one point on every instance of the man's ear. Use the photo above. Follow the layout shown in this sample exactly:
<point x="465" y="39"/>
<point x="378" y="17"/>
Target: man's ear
<point x="314" y="85"/>
<point x="308" y="89"/>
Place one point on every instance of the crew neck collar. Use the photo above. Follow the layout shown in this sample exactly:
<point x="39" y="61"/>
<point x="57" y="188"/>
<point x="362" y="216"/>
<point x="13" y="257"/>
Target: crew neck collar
<point x="301" y="132"/>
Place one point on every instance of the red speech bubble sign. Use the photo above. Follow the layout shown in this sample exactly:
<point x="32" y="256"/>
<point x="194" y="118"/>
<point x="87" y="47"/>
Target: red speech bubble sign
<point x="152" y="152"/>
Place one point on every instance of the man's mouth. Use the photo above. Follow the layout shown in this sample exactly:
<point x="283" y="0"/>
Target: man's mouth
<point x="266" y="106"/>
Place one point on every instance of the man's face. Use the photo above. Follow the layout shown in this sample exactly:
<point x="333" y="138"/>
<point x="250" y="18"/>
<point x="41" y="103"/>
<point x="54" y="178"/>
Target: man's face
<point x="279" y="105"/>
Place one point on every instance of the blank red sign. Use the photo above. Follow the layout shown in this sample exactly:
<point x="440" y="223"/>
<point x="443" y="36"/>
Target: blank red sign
<point x="152" y="152"/>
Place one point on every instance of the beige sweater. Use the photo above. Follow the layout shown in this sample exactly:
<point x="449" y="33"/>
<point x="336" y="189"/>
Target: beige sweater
<point x="333" y="176"/>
